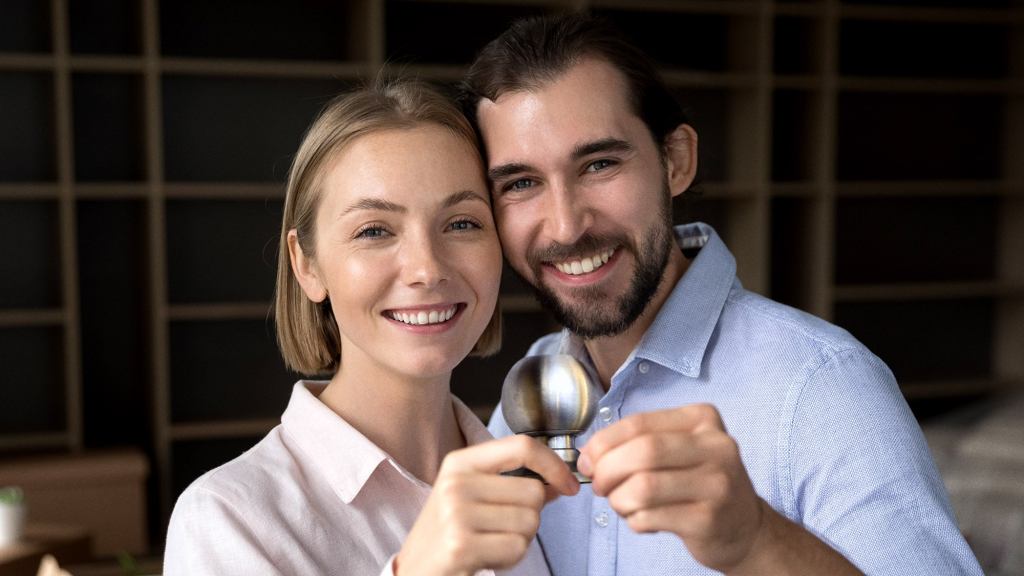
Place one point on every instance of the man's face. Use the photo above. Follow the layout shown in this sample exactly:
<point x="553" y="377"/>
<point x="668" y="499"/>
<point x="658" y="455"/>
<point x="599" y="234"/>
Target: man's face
<point x="581" y="197"/>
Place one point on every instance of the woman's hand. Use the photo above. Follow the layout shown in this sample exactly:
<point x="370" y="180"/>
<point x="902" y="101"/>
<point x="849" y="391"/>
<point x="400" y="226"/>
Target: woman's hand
<point x="475" y="518"/>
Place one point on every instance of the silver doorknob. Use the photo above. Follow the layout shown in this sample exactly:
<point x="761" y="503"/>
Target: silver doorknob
<point x="553" y="398"/>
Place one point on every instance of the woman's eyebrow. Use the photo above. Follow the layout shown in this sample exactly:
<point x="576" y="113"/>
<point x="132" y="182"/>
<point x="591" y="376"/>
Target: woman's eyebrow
<point x="388" y="206"/>
<point x="374" y="204"/>
<point x="462" y="196"/>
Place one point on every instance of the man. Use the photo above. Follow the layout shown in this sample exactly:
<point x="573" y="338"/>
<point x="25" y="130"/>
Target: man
<point x="736" y="435"/>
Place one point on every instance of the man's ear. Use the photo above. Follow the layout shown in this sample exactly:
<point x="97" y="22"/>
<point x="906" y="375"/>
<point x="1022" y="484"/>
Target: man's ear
<point x="305" y="270"/>
<point x="680" y="150"/>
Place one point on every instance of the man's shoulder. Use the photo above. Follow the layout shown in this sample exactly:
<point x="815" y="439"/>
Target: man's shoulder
<point x="758" y="314"/>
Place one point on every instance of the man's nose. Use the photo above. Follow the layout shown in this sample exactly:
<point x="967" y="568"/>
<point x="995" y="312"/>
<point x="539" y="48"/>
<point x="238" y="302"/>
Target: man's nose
<point x="569" y="215"/>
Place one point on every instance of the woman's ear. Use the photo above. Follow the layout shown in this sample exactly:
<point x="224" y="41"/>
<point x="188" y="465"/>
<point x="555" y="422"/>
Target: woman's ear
<point x="681" y="158"/>
<point x="305" y="270"/>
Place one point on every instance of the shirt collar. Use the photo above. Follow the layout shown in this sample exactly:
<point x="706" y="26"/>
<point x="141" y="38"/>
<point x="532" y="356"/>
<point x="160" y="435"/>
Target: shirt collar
<point x="680" y="333"/>
<point x="343" y="454"/>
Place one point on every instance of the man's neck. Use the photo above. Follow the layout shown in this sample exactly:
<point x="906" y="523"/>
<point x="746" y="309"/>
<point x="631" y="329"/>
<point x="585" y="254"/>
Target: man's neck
<point x="608" y="353"/>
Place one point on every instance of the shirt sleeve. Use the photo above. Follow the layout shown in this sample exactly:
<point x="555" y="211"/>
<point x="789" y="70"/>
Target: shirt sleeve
<point x="207" y="536"/>
<point x="861" y="475"/>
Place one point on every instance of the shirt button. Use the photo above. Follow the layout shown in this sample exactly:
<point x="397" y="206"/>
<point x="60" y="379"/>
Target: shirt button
<point x="606" y="414"/>
<point x="643" y="367"/>
<point x="601" y="519"/>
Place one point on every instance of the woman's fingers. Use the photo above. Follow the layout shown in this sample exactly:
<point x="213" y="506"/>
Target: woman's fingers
<point x="511" y="453"/>
<point x="499" y="518"/>
<point x="476" y="518"/>
<point x="490" y="489"/>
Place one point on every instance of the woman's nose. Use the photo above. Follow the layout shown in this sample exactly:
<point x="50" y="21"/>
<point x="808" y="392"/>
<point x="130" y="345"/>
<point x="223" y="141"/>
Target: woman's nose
<point x="423" y="263"/>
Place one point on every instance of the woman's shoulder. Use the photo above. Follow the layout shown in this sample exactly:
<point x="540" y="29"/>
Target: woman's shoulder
<point x="221" y="522"/>
<point x="249" y="478"/>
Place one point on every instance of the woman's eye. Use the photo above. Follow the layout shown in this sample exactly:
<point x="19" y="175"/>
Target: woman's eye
<point x="464" y="225"/>
<point x="372" y="232"/>
<point x="598" y="165"/>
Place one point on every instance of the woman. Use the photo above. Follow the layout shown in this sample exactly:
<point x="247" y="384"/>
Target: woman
<point x="387" y="278"/>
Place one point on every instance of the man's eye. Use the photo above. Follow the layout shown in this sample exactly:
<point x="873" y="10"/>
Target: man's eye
<point x="521" y="184"/>
<point x="598" y="165"/>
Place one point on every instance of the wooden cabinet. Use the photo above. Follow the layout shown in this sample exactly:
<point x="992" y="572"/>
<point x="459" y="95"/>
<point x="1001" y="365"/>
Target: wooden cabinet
<point x="863" y="159"/>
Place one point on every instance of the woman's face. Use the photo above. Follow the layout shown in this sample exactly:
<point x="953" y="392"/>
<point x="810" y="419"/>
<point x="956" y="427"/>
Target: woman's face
<point x="406" y="250"/>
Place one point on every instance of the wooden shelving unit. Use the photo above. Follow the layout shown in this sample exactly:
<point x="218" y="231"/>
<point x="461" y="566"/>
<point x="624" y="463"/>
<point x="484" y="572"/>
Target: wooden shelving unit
<point x="860" y="166"/>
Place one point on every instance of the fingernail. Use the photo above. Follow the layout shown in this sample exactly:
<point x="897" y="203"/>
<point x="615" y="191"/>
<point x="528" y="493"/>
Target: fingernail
<point x="583" y="464"/>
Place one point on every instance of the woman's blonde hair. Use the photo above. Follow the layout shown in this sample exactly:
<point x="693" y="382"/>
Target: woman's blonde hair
<point x="307" y="332"/>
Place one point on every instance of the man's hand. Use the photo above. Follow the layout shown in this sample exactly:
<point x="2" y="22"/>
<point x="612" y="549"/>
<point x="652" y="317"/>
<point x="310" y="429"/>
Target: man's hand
<point x="476" y="518"/>
<point x="678" y="471"/>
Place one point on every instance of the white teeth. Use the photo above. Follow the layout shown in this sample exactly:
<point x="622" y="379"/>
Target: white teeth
<point x="422" y="318"/>
<point x="584" y="265"/>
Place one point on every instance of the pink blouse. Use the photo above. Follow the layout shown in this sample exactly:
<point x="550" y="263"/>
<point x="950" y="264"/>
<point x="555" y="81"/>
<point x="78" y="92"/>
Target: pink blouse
<point x="314" y="496"/>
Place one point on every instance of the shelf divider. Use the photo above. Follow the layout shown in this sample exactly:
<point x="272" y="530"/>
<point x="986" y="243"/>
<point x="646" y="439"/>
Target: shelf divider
<point x="222" y="429"/>
<point x="30" y="317"/>
<point x="68" y="222"/>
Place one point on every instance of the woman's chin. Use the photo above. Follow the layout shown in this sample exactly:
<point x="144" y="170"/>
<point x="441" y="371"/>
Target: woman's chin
<point x="429" y="366"/>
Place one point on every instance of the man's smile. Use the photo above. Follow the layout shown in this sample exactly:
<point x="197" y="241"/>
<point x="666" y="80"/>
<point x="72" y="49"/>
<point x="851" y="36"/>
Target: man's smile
<point x="584" y="265"/>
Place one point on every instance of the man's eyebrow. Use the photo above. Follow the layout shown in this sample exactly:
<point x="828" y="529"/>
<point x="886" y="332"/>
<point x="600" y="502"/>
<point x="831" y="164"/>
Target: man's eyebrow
<point x="462" y="196"/>
<point x="602" y="145"/>
<point x="506" y="170"/>
<point x="374" y="204"/>
<point x="579" y="152"/>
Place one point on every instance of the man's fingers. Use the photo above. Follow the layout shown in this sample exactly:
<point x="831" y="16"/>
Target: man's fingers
<point x="657" y="489"/>
<point x="686" y="518"/>
<point x="655" y="451"/>
<point x="511" y="453"/>
<point x="691" y="418"/>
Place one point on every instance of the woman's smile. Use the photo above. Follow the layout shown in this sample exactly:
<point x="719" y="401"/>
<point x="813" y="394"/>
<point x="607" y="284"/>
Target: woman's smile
<point x="426" y="318"/>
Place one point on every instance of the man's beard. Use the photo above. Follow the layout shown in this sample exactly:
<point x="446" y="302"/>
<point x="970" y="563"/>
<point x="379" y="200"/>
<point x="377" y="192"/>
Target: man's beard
<point x="592" y="314"/>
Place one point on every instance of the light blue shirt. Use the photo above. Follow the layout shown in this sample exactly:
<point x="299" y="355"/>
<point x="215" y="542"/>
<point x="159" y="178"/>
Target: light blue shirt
<point x="823" y="431"/>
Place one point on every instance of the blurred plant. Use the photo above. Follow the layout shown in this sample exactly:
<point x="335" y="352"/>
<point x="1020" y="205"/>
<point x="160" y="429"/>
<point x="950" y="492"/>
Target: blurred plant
<point x="11" y="495"/>
<point x="129" y="567"/>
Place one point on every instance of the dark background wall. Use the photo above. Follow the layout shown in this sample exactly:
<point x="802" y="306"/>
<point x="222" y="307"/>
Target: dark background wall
<point x="863" y="160"/>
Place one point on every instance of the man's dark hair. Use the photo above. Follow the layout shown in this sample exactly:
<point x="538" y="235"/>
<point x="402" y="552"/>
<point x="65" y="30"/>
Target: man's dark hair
<point x="534" y="51"/>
